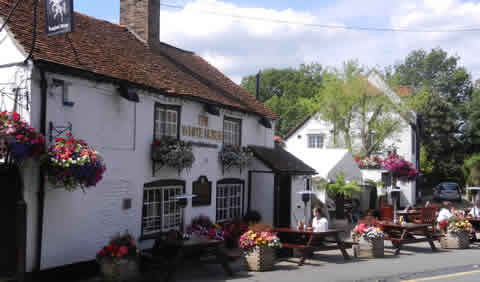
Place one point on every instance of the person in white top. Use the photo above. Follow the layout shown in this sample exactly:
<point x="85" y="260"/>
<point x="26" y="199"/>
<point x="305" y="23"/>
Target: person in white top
<point x="475" y="211"/>
<point x="445" y="213"/>
<point x="319" y="221"/>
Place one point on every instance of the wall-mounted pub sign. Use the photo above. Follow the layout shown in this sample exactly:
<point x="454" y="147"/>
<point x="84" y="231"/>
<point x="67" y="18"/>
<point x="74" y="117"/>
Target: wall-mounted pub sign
<point x="58" y="16"/>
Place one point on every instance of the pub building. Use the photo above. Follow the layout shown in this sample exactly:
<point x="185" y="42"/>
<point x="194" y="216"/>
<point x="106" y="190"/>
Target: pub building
<point x="120" y="89"/>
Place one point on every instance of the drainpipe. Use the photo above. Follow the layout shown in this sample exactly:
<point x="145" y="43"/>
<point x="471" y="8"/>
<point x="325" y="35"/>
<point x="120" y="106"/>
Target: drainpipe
<point x="41" y="192"/>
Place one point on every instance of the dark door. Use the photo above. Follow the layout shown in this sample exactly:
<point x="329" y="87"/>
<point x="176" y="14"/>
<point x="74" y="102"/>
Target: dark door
<point x="9" y="182"/>
<point x="283" y="200"/>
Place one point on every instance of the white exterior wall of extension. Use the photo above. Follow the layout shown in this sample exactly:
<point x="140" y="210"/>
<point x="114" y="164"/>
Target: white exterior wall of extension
<point x="76" y="224"/>
<point x="404" y="141"/>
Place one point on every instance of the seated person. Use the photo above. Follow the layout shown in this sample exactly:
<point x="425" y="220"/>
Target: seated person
<point x="475" y="211"/>
<point x="445" y="213"/>
<point x="319" y="221"/>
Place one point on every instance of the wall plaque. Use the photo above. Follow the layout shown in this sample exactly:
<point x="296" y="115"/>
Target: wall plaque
<point x="203" y="189"/>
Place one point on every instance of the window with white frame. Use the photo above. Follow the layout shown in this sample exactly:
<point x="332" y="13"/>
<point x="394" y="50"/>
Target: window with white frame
<point x="166" y="121"/>
<point x="161" y="211"/>
<point x="315" y="140"/>
<point x="232" y="131"/>
<point x="229" y="199"/>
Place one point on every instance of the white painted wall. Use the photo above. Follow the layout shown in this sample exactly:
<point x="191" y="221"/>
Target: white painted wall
<point x="78" y="224"/>
<point x="403" y="140"/>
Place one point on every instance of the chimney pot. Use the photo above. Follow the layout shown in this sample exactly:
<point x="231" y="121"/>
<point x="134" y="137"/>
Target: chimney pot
<point x="142" y="17"/>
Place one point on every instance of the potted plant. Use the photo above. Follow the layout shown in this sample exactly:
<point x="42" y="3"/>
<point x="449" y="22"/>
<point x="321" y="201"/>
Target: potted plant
<point x="119" y="259"/>
<point x="18" y="140"/>
<point x="70" y="163"/>
<point x="338" y="190"/>
<point x="235" y="156"/>
<point x="258" y="245"/>
<point x="457" y="235"/>
<point x="172" y="152"/>
<point x="202" y="228"/>
<point x="369" y="241"/>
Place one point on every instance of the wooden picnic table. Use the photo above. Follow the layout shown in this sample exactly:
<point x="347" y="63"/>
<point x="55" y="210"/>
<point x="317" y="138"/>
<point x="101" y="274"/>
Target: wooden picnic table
<point x="203" y="251"/>
<point x="408" y="233"/>
<point x="408" y="215"/>
<point x="308" y="241"/>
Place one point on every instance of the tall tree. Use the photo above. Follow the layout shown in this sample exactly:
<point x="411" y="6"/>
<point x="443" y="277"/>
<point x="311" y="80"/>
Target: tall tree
<point x="442" y="88"/>
<point x="287" y="92"/>
<point x="357" y="109"/>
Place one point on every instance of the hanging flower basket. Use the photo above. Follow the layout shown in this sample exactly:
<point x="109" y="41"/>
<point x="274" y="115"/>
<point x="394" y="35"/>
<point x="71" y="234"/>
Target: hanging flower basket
<point x="118" y="260"/>
<point x="172" y="152"/>
<point x="70" y="163"/>
<point x="235" y="156"/>
<point x="18" y="140"/>
<point x="399" y="167"/>
<point x="373" y="162"/>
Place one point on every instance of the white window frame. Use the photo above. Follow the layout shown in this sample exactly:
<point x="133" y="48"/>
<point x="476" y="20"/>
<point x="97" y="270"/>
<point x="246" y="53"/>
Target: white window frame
<point x="157" y="215"/>
<point x="229" y="200"/>
<point x="315" y="141"/>
<point x="232" y="131"/>
<point x="166" y="121"/>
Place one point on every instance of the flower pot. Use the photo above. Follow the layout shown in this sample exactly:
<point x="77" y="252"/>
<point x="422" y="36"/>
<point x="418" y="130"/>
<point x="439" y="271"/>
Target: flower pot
<point x="458" y="240"/>
<point x="260" y="258"/>
<point x="369" y="248"/>
<point x="119" y="269"/>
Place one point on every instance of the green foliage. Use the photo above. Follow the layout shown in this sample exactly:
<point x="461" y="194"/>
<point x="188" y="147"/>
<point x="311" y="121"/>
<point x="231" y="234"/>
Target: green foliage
<point x="473" y="119"/>
<point x="341" y="187"/>
<point x="442" y="89"/>
<point x="319" y="183"/>
<point x="287" y="92"/>
<point x="471" y="170"/>
<point x="356" y="108"/>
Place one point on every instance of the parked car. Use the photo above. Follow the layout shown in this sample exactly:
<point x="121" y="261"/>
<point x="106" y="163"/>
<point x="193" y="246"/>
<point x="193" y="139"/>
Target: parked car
<point x="447" y="191"/>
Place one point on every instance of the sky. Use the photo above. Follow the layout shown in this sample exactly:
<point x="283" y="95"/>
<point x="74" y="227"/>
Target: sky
<point x="239" y="47"/>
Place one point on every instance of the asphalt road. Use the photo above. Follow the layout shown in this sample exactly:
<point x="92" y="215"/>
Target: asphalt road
<point x="415" y="263"/>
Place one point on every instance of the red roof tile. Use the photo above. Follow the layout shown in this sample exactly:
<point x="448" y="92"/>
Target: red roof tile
<point x="111" y="50"/>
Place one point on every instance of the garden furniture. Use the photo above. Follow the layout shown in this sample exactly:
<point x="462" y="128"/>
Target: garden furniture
<point x="427" y="216"/>
<point x="408" y="233"/>
<point x="386" y="213"/>
<point x="169" y="254"/>
<point x="308" y="242"/>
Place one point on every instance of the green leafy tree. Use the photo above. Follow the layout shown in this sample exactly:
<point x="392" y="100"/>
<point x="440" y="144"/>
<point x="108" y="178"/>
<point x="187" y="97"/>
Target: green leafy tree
<point x="473" y="120"/>
<point x="287" y="92"/>
<point x="442" y="89"/>
<point x="356" y="109"/>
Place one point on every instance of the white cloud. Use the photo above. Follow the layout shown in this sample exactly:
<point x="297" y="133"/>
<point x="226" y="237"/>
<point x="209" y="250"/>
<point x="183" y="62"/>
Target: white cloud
<point x="241" y="47"/>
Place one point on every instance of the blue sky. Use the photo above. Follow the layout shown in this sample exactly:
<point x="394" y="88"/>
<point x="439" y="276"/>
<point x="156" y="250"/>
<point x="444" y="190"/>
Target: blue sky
<point x="239" y="47"/>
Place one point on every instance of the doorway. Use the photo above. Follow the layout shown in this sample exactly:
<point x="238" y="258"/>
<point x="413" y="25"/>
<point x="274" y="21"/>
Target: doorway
<point x="11" y="194"/>
<point x="283" y="200"/>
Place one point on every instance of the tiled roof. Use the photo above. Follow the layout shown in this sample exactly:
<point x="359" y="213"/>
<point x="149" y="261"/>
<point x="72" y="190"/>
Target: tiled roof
<point x="111" y="50"/>
<point x="281" y="161"/>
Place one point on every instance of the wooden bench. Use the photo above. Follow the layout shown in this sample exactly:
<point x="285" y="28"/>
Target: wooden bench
<point x="312" y="241"/>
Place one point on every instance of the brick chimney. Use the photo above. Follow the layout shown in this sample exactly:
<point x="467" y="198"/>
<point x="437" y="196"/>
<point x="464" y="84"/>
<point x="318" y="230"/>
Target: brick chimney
<point x="142" y="17"/>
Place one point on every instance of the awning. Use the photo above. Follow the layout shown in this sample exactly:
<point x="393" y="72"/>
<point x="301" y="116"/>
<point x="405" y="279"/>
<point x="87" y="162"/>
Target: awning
<point x="281" y="161"/>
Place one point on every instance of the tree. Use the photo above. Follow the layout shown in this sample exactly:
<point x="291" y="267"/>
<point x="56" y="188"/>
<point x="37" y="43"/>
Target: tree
<point x="287" y="92"/>
<point x="442" y="88"/>
<point x="341" y="189"/>
<point x="356" y="108"/>
<point x="473" y="119"/>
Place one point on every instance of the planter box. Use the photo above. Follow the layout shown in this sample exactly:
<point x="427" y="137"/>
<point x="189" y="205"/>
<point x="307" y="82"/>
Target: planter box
<point x="260" y="258"/>
<point x="369" y="249"/>
<point x="119" y="270"/>
<point x="451" y="240"/>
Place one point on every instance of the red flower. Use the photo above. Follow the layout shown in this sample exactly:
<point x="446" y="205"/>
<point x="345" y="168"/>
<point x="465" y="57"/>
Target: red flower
<point x="68" y="134"/>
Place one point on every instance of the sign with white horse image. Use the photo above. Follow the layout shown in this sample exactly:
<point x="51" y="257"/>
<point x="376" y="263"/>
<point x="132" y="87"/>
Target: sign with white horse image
<point x="58" y="16"/>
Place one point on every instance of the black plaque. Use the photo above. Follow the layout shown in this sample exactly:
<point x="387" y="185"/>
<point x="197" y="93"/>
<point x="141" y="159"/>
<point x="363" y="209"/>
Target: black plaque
<point x="203" y="189"/>
<point x="58" y="16"/>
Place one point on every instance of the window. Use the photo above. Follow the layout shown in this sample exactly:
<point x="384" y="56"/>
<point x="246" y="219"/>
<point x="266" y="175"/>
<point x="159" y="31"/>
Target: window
<point x="315" y="141"/>
<point x="166" y="121"/>
<point x="161" y="211"/>
<point x="232" y="131"/>
<point x="229" y="199"/>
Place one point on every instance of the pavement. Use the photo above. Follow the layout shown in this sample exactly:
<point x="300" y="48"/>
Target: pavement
<point x="416" y="262"/>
